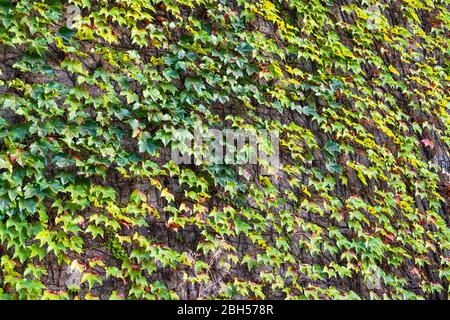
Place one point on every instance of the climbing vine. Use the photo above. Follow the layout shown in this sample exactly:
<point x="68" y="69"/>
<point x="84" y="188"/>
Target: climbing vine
<point x="357" y="89"/>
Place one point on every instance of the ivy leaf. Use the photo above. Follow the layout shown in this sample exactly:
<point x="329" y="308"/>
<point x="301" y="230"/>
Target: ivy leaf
<point x="332" y="148"/>
<point x="428" y="143"/>
<point x="6" y="5"/>
<point x="66" y="33"/>
<point x="19" y="132"/>
<point x="153" y="93"/>
<point x="147" y="145"/>
<point x="61" y="160"/>
<point x="393" y="70"/>
<point x="336" y="84"/>
<point x="242" y="226"/>
<point x="73" y="66"/>
<point x="95" y="231"/>
<point x="251" y="262"/>
<point x="309" y="111"/>
<point x="4" y="204"/>
<point x="28" y="204"/>
<point x="167" y="195"/>
<point x="92" y="279"/>
<point x="113" y="272"/>
<point x="245" y="48"/>
<point x="333" y="167"/>
<point x="171" y="74"/>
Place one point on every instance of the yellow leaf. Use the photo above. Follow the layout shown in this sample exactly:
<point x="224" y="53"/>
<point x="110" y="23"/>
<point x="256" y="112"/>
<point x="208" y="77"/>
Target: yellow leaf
<point x="167" y="195"/>
<point x="393" y="70"/>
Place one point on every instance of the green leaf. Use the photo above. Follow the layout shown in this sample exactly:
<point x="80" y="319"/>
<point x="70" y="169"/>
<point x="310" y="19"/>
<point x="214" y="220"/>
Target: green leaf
<point x="245" y="48"/>
<point x="147" y="145"/>
<point x="95" y="231"/>
<point x="66" y="33"/>
<point x="61" y="160"/>
<point x="73" y="66"/>
<point x="332" y="148"/>
<point x="92" y="279"/>
<point x="333" y="167"/>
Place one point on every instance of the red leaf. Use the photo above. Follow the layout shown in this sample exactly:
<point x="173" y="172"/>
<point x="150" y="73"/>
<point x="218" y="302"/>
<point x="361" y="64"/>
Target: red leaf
<point x="173" y="226"/>
<point x="428" y="143"/>
<point x="415" y="271"/>
<point x="390" y="236"/>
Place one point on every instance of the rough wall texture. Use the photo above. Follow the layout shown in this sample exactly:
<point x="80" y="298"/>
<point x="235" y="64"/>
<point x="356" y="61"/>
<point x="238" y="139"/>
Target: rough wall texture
<point x="91" y="205"/>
